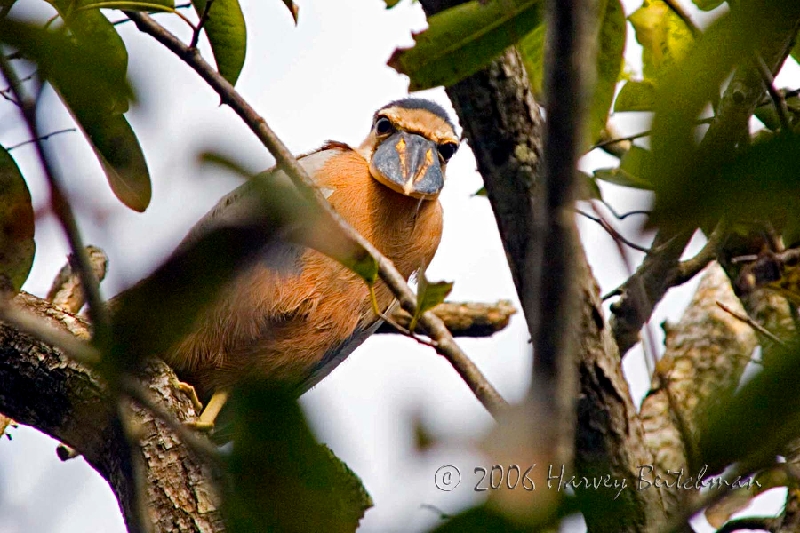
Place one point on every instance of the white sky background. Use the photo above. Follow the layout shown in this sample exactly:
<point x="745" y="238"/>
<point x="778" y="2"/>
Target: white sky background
<point x="320" y="80"/>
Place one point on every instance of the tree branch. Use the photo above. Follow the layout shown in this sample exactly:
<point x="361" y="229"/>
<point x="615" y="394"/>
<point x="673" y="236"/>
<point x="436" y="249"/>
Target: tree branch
<point x="462" y="319"/>
<point x="445" y="344"/>
<point x="45" y="389"/>
<point x="706" y="353"/>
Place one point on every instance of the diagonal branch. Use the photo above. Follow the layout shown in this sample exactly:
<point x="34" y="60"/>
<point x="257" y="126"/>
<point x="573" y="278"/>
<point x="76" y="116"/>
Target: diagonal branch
<point x="446" y="346"/>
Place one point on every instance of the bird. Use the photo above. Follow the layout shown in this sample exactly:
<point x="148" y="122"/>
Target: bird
<point x="294" y="314"/>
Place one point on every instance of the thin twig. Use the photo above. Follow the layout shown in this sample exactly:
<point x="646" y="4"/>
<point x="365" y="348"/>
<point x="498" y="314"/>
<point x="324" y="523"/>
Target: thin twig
<point x="630" y="138"/>
<point x="616" y="235"/>
<point x="60" y="205"/>
<point x="777" y="98"/>
<point x="42" y="138"/>
<point x="200" y="24"/>
<point x="623" y="216"/>
<point x="470" y="373"/>
<point x="752" y="323"/>
<point x="766" y="523"/>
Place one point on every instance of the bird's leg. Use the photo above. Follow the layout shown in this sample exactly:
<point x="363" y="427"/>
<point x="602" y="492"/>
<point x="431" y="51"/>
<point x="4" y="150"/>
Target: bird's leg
<point x="206" y="420"/>
<point x="189" y="391"/>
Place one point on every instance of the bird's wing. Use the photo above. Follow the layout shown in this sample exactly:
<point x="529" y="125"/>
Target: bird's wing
<point x="336" y="355"/>
<point x="245" y="204"/>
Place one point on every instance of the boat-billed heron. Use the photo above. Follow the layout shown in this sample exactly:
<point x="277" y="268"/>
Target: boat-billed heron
<point x="295" y="314"/>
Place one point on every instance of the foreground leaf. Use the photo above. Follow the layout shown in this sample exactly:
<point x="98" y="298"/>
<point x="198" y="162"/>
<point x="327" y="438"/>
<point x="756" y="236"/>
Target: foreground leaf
<point x="462" y="40"/>
<point x="147" y="6"/>
<point x="429" y="295"/>
<point x="88" y="72"/>
<point x="17" y="247"/>
<point x="227" y="35"/>
<point x="118" y="150"/>
<point x="632" y="172"/>
<point x="664" y="36"/>
<point x="610" y="55"/>
<point x="636" y="96"/>
<point x="280" y="478"/>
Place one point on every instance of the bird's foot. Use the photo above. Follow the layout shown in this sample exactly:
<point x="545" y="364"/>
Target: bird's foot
<point x="190" y="391"/>
<point x="205" y="422"/>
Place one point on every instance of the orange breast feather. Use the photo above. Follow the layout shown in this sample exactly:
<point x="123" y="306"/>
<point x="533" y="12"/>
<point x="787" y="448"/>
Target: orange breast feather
<point x="285" y="323"/>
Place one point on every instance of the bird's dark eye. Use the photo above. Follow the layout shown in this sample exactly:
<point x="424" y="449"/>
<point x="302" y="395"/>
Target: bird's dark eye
<point x="383" y="126"/>
<point x="446" y="150"/>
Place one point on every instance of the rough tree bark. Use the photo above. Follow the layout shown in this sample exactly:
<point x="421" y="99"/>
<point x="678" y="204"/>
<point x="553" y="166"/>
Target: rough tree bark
<point x="45" y="389"/>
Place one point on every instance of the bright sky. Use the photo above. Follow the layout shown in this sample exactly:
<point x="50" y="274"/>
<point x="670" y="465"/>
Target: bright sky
<point x="320" y="80"/>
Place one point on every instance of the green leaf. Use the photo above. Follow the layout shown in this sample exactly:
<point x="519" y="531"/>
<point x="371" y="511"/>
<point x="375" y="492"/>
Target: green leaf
<point x="611" y="48"/>
<point x="150" y="6"/>
<point x="591" y="187"/>
<point x="89" y="74"/>
<point x="664" y="36"/>
<point x="531" y="48"/>
<point x="760" y="418"/>
<point x="633" y="169"/>
<point x="294" y="9"/>
<point x="279" y="478"/>
<point x="391" y="3"/>
<point x="17" y="246"/>
<point x="707" y="5"/>
<point x="686" y="175"/>
<point x="118" y="150"/>
<point x="480" y="192"/>
<point x="429" y="295"/>
<point x="463" y="39"/>
<point x="636" y="96"/>
<point x="312" y="226"/>
<point x="95" y="35"/>
<point x="227" y="34"/>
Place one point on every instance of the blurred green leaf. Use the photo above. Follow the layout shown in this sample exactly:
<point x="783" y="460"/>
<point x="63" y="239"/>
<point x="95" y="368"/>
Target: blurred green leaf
<point x="92" y="30"/>
<point x="480" y="192"/>
<point x="88" y="72"/>
<point x="685" y="173"/>
<point x="632" y="171"/>
<point x="429" y="295"/>
<point x="311" y="226"/>
<point x="591" y="187"/>
<point x="150" y="317"/>
<point x="227" y="35"/>
<point x="118" y="150"/>
<point x="481" y="519"/>
<point x="149" y="6"/>
<point x="611" y="36"/>
<point x="17" y="247"/>
<point x="463" y="39"/>
<point x="636" y="96"/>
<point x="293" y="8"/>
<point x="531" y="49"/>
<point x="768" y="116"/>
<point x="664" y="36"/>
<point x="759" y="420"/>
<point x="280" y="479"/>
<point x="707" y="5"/>
<point x="391" y="3"/>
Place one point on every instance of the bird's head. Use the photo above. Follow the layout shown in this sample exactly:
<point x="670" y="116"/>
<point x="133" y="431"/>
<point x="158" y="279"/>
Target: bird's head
<point x="409" y="146"/>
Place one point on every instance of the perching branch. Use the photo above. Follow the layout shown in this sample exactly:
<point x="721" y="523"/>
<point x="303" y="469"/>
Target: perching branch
<point x="446" y="346"/>
<point x="463" y="319"/>
<point x="45" y="389"/>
